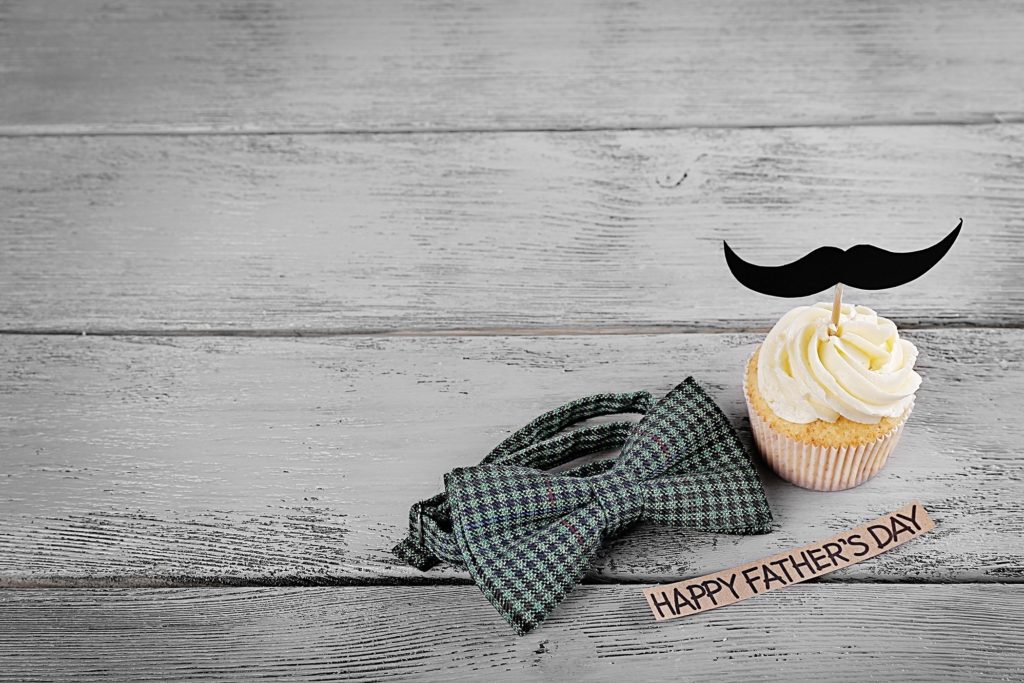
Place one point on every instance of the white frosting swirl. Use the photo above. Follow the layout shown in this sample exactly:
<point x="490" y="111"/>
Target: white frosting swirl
<point x="863" y="372"/>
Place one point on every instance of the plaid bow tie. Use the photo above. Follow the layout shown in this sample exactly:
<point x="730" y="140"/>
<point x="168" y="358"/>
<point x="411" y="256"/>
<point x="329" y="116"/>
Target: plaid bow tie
<point x="527" y="536"/>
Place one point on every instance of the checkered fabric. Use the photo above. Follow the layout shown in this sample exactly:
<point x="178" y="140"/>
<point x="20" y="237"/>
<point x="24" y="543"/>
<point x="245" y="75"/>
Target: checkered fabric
<point x="527" y="536"/>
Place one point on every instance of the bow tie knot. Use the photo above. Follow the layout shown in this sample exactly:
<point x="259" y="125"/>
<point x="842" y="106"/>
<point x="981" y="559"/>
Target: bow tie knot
<point x="620" y="499"/>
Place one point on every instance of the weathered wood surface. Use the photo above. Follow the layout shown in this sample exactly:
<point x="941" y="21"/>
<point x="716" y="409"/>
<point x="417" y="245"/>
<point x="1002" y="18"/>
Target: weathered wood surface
<point x="600" y="633"/>
<point x="291" y="64"/>
<point x="169" y="460"/>
<point x="183" y="461"/>
<point x="598" y="231"/>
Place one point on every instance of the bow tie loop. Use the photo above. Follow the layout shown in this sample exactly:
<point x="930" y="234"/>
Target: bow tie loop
<point x="619" y="498"/>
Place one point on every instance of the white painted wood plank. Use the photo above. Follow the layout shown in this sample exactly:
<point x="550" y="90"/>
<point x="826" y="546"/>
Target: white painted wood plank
<point x="146" y="65"/>
<point x="183" y="461"/>
<point x="594" y="231"/>
<point x="601" y="633"/>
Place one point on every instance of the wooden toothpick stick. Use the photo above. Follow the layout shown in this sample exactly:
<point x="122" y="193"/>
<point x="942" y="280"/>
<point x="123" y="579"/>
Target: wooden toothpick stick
<point x="837" y="304"/>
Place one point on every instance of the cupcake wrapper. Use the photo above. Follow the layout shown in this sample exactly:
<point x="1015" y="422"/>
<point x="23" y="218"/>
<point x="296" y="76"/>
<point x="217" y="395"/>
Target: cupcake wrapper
<point x="822" y="468"/>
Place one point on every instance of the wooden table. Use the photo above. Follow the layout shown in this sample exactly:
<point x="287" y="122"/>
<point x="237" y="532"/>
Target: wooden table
<point x="271" y="268"/>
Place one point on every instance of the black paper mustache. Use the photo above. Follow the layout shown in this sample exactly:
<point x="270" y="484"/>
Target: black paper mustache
<point x="863" y="266"/>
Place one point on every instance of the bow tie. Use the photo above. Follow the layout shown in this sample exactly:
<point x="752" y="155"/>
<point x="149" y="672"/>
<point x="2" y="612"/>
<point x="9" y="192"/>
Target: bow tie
<point x="527" y="536"/>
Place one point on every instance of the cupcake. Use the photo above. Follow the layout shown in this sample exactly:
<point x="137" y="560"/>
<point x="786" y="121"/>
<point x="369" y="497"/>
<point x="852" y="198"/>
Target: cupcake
<point x="828" y="403"/>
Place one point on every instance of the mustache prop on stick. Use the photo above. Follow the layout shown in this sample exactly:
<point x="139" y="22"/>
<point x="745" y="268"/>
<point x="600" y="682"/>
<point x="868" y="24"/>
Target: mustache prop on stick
<point x="863" y="266"/>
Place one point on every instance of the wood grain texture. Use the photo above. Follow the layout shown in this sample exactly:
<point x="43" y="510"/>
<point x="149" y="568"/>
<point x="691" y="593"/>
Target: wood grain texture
<point x="600" y="633"/>
<point x="187" y="461"/>
<point x="147" y="65"/>
<point x="584" y="231"/>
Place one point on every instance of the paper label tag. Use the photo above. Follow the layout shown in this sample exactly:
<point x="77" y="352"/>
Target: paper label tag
<point x="691" y="596"/>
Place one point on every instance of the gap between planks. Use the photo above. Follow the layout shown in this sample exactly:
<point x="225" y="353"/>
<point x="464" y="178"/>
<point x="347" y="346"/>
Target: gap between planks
<point x="582" y="331"/>
<point x="15" y="131"/>
<point x="427" y="581"/>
